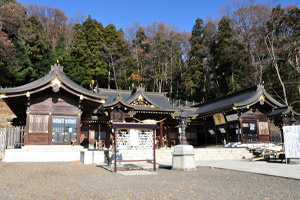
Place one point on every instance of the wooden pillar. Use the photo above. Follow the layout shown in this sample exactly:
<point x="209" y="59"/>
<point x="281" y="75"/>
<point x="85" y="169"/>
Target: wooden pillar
<point x="227" y="132"/>
<point x="78" y="128"/>
<point x="107" y="138"/>
<point x="27" y="127"/>
<point x="168" y="136"/>
<point x="241" y="128"/>
<point x="206" y="138"/>
<point x="216" y="134"/>
<point x="161" y="135"/>
<point x="49" y="128"/>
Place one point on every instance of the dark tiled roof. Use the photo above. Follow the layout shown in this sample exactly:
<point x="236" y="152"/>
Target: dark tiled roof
<point x="282" y="111"/>
<point x="56" y="70"/>
<point x="239" y="99"/>
<point x="158" y="99"/>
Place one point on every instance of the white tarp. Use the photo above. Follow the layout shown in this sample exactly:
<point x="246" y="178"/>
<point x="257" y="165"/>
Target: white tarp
<point x="291" y="136"/>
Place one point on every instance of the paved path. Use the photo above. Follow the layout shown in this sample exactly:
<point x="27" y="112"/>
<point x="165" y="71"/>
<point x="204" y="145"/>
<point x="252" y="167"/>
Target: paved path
<point x="258" y="167"/>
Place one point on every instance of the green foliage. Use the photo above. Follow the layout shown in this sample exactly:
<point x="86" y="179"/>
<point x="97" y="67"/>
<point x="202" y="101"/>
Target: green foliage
<point x="215" y="60"/>
<point x="230" y="58"/>
<point x="87" y="53"/>
<point x="283" y="33"/>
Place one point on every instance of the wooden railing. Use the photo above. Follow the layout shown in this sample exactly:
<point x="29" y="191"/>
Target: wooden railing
<point x="15" y="137"/>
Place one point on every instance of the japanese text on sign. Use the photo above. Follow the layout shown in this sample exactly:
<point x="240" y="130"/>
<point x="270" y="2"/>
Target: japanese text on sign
<point x="292" y="141"/>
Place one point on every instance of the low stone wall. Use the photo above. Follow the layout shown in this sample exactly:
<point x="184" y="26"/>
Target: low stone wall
<point x="41" y="153"/>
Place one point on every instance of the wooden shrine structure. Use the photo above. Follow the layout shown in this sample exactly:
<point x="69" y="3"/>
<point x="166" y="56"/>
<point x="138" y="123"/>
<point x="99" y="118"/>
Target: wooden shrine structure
<point x="55" y="111"/>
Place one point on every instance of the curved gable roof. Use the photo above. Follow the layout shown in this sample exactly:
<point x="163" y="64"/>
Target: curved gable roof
<point x="157" y="99"/>
<point x="239" y="100"/>
<point x="45" y="82"/>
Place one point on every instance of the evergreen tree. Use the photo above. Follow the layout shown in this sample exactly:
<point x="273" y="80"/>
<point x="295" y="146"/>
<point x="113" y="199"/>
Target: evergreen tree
<point x="62" y="55"/>
<point x="229" y="57"/>
<point x="196" y="57"/>
<point x="78" y="55"/>
<point x="209" y="87"/>
<point x="32" y="53"/>
<point x="87" y="53"/>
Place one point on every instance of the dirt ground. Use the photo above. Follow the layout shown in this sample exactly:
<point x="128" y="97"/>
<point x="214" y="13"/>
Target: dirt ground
<point x="77" y="181"/>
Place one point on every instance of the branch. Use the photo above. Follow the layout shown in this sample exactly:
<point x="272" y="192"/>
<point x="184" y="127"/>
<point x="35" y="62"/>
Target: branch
<point x="297" y="67"/>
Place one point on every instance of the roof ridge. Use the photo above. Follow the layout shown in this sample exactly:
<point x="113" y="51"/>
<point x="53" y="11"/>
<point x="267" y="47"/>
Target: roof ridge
<point x="230" y="95"/>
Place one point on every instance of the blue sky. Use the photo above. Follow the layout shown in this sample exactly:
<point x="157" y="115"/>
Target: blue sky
<point x="122" y="13"/>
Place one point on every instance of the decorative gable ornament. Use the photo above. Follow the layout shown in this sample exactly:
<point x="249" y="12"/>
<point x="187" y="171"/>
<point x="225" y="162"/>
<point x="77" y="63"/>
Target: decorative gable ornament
<point x="141" y="101"/>
<point x="55" y="84"/>
<point x="57" y="67"/>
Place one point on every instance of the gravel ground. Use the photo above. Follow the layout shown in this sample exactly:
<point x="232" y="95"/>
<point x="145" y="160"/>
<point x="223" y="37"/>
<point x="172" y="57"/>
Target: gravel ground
<point x="77" y="181"/>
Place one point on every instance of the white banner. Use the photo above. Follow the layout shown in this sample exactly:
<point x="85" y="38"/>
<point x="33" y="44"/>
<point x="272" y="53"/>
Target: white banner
<point x="291" y="136"/>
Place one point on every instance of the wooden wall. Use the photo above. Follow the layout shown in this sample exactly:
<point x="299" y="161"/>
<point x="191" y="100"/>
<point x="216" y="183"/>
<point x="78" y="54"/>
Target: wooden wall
<point x="49" y="104"/>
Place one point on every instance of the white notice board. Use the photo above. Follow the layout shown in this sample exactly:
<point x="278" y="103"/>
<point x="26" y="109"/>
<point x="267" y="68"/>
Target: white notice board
<point x="134" y="137"/>
<point x="291" y="136"/>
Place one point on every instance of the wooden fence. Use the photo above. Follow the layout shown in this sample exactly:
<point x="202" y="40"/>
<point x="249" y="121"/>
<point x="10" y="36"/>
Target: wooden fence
<point x="10" y="138"/>
<point x="2" y="142"/>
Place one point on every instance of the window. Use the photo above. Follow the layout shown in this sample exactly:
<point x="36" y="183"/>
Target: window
<point x="38" y="123"/>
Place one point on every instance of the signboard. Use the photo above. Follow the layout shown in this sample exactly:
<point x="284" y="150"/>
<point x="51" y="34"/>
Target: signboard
<point x="291" y="136"/>
<point x="134" y="137"/>
<point x="222" y="130"/>
<point x="249" y="132"/>
<point x="263" y="128"/>
<point x="219" y="119"/>
<point x="135" y="142"/>
<point x="233" y="117"/>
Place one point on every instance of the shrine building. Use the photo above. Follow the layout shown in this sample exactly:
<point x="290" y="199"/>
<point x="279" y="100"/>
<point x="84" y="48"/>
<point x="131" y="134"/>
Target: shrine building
<point x="57" y="111"/>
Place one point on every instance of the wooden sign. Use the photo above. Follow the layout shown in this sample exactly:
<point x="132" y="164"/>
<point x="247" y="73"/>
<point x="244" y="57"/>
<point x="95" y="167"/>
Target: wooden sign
<point x="219" y="119"/>
<point x="292" y="141"/>
<point x="263" y="128"/>
<point x="233" y="117"/>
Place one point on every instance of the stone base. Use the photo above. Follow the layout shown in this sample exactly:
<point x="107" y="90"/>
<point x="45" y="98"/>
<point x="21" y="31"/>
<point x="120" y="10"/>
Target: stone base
<point x="92" y="156"/>
<point x="183" y="157"/>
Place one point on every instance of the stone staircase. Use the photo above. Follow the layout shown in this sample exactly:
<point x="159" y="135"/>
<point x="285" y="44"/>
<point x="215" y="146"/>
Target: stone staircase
<point x="210" y="153"/>
<point x="221" y="153"/>
<point x="67" y="153"/>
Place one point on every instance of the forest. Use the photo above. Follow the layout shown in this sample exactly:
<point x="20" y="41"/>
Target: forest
<point x="253" y="43"/>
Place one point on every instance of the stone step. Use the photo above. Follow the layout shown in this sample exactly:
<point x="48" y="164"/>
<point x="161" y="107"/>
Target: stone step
<point x="208" y="154"/>
<point x="50" y="148"/>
